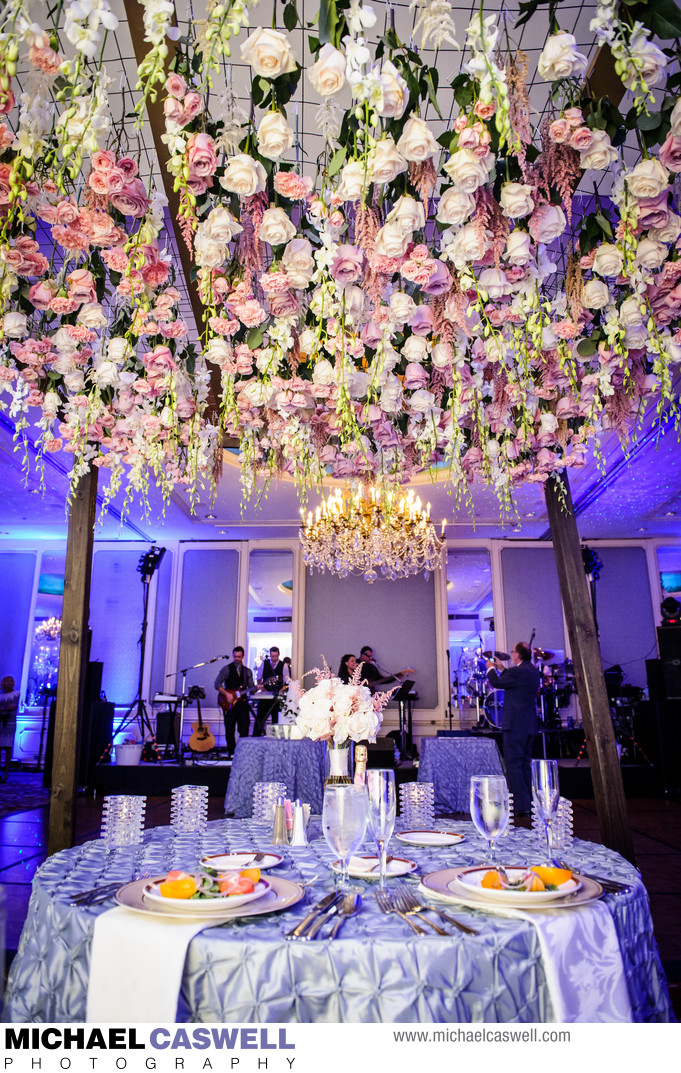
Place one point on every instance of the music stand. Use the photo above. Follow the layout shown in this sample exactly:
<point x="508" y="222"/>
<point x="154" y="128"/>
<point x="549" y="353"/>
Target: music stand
<point x="404" y="706"/>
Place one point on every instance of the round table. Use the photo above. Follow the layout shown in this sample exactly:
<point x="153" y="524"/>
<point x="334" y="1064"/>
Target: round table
<point x="298" y="763"/>
<point x="377" y="971"/>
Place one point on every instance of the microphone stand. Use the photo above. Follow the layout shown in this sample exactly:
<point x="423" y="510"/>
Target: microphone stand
<point x="183" y="672"/>
<point x="449" y="682"/>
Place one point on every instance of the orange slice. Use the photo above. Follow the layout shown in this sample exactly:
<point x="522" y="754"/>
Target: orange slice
<point x="250" y="873"/>
<point x="491" y="880"/>
<point x="552" y="876"/>
<point x="183" y="887"/>
<point x="536" y="883"/>
<point x="235" y="884"/>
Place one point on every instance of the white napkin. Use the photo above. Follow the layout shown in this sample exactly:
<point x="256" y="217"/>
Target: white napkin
<point x="118" y="992"/>
<point x="581" y="958"/>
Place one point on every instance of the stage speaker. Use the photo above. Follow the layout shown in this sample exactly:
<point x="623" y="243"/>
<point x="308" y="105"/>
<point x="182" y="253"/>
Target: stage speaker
<point x="665" y="714"/>
<point x="669" y="643"/>
<point x="381" y="753"/>
<point x="93" y="681"/>
<point x="96" y="733"/>
<point x="167" y="729"/>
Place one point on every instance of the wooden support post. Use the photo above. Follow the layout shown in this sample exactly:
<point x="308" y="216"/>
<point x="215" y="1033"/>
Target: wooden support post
<point x="72" y="663"/>
<point x="593" y="698"/>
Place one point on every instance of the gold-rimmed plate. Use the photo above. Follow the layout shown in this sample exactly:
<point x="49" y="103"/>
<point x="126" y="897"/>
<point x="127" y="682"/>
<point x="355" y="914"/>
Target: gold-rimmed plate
<point x="235" y="862"/>
<point x="283" y="893"/>
<point x="426" y="838"/>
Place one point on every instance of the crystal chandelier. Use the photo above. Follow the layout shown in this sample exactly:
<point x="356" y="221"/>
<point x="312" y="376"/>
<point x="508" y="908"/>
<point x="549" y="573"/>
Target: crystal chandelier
<point x="373" y="532"/>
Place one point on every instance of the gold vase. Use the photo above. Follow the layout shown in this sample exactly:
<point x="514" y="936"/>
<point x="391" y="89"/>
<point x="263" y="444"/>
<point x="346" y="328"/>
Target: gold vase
<point x="339" y="764"/>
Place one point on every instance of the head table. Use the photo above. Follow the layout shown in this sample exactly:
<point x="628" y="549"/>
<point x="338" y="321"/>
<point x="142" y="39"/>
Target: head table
<point x="378" y="970"/>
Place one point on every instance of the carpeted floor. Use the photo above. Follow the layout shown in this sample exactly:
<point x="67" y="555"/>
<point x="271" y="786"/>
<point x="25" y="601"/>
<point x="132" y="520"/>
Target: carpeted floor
<point x="23" y="790"/>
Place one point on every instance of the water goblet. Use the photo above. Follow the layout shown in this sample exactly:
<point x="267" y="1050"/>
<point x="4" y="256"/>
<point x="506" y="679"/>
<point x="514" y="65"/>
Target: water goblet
<point x="381" y="793"/>
<point x="547" y="797"/>
<point x="344" y="821"/>
<point x="489" y="807"/>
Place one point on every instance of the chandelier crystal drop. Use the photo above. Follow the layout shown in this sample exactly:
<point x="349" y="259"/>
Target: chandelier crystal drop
<point x="371" y="532"/>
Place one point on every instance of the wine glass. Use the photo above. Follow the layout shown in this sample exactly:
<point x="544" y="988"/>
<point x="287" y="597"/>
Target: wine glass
<point x="344" y="821"/>
<point x="546" y="795"/>
<point x="489" y="807"/>
<point x="380" y="784"/>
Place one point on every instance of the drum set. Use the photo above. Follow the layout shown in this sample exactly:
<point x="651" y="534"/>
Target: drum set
<point x="474" y="689"/>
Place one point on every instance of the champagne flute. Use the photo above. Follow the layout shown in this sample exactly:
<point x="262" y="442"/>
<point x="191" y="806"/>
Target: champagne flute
<point x="489" y="807"/>
<point x="546" y="793"/>
<point x="344" y="821"/>
<point x="380" y="784"/>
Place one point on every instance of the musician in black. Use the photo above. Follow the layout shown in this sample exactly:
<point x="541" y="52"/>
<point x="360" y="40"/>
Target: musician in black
<point x="235" y="677"/>
<point x="519" y="721"/>
<point x="273" y="677"/>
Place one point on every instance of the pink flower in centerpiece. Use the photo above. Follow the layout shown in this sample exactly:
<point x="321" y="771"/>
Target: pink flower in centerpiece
<point x="251" y="313"/>
<point x="348" y="264"/>
<point x="670" y="153"/>
<point x="284" y="305"/>
<point x="421" y="322"/>
<point x="193" y="104"/>
<point x="581" y="139"/>
<point x="415" y="376"/>
<point x="42" y="293"/>
<point x="201" y="156"/>
<point x="484" y="111"/>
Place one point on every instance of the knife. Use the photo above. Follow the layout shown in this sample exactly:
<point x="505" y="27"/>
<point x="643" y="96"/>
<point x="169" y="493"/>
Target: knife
<point x="321" y="907"/>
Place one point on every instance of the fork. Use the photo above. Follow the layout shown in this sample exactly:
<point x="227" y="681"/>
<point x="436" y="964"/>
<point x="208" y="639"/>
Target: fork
<point x="405" y="905"/>
<point x="386" y="906"/>
<point x="407" y="895"/>
<point x="101" y="893"/>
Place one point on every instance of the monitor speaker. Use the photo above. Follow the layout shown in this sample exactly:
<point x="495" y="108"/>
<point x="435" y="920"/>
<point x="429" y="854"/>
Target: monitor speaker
<point x="381" y="754"/>
<point x="669" y="643"/>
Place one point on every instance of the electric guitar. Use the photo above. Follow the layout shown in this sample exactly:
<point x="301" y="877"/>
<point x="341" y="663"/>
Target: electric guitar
<point x="201" y="740"/>
<point x="233" y="695"/>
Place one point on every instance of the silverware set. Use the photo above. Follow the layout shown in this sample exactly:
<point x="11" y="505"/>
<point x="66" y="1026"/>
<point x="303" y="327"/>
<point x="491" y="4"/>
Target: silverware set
<point x="406" y="904"/>
<point x="338" y="905"/>
<point x="103" y="892"/>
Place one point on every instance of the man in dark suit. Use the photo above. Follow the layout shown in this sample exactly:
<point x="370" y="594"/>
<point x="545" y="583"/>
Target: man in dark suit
<point x="519" y="720"/>
<point x="235" y="678"/>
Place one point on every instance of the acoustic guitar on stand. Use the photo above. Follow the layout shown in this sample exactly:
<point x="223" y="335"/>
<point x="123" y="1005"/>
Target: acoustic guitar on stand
<point x="201" y="740"/>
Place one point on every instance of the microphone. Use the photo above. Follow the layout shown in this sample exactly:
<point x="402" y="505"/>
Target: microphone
<point x="534" y="634"/>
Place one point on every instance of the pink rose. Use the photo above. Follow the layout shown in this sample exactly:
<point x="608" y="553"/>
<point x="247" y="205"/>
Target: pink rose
<point x="653" y="211"/>
<point x="484" y="111"/>
<point x="81" y="286"/>
<point x="348" y="264"/>
<point x="41" y="294"/>
<point x="284" y="305"/>
<point x="201" y="156"/>
<point x="193" y="104"/>
<point x="415" y="376"/>
<point x="421" y="322"/>
<point x="128" y="166"/>
<point x="132" y="200"/>
<point x="4" y="184"/>
<point x="581" y="139"/>
<point x="559" y="131"/>
<point x="6" y="101"/>
<point x="176" y="85"/>
<point x="103" y="160"/>
<point x="97" y="181"/>
<point x="67" y="212"/>
<point x="371" y="334"/>
<point x="670" y="153"/>
<point x="172" y="110"/>
<point x="460" y="124"/>
<point x="469" y="139"/>
<point x="115" y="181"/>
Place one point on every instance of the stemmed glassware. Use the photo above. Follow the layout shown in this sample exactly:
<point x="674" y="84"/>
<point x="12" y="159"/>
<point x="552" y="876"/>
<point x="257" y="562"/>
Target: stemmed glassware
<point x="546" y="793"/>
<point x="344" y="821"/>
<point x="380" y="784"/>
<point x="489" y="807"/>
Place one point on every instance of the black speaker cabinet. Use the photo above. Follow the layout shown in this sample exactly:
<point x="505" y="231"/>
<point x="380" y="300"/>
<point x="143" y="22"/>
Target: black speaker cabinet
<point x="381" y="754"/>
<point x="669" y="643"/>
<point x="665" y="714"/>
<point x="167" y="729"/>
<point x="96" y="733"/>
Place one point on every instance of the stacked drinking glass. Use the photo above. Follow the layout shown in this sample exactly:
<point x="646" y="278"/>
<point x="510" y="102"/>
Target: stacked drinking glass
<point x="189" y="809"/>
<point x="417" y="808"/>
<point x="123" y="820"/>
<point x="265" y="796"/>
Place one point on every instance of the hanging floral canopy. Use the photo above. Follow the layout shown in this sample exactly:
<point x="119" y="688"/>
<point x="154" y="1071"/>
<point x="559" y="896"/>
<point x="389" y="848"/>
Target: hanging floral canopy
<point x="464" y="259"/>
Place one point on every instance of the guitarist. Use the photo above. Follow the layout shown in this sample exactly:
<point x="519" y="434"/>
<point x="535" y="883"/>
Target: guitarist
<point x="235" y="677"/>
<point x="274" y="677"/>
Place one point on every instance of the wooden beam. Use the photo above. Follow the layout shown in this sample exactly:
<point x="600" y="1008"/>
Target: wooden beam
<point x="135" y="15"/>
<point x="593" y="698"/>
<point x="73" y="652"/>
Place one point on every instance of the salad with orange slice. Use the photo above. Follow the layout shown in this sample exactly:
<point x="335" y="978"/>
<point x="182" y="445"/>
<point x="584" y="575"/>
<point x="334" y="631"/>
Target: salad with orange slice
<point x="208" y="884"/>
<point x="537" y="878"/>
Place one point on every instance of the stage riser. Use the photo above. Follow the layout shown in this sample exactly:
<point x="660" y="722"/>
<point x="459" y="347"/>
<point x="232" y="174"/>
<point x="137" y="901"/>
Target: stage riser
<point x="158" y="780"/>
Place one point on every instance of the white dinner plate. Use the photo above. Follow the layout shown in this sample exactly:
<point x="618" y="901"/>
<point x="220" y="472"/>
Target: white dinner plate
<point x="470" y="879"/>
<point x="283" y="893"/>
<point x="234" y="862"/>
<point x="360" y="867"/>
<point x="201" y="906"/>
<point x="430" y="838"/>
<point x="443" y="884"/>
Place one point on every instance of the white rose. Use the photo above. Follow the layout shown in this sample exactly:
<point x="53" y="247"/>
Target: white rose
<point x="670" y="232"/>
<point x="118" y="349"/>
<point x="650" y="254"/>
<point x="64" y="343"/>
<point x="630" y="313"/>
<point x="469" y="245"/>
<point x="14" y="325"/>
<point x="358" y="383"/>
<point x="595" y="294"/>
<point x="518" y="248"/>
<point x="351" y="181"/>
<point x="74" y="381"/>
<point x="269" y="53"/>
<point x="209" y="252"/>
<point x="652" y="61"/>
<point x="417" y="142"/>
<point x="323" y="373"/>
<point x="560" y="58"/>
<point x="600" y="154"/>
<point x="219" y="351"/>
<point x="391" y="241"/>
<point x="636" y="337"/>
<point x="494" y="282"/>
<point x="220" y="225"/>
<point x="608" y="260"/>
<point x="327" y="75"/>
<point x="468" y="171"/>
<point x="455" y="206"/>
<point x="648" y="179"/>
<point x="422" y="401"/>
<point x="63" y="365"/>
<point x="408" y="214"/>
<point x="442" y="356"/>
<point x="387" y="162"/>
<point x="394" y="92"/>
<point x="105" y="374"/>
<point x="308" y="341"/>
<point x="675" y="119"/>
<point x="391" y="395"/>
<point x="258" y="393"/>
<point x="299" y="262"/>
<point x="275" y="137"/>
<point x="516" y="199"/>
<point x="276" y="227"/>
<point x="51" y="403"/>
<point x="402" y="307"/>
<point x="244" y="176"/>
<point x="415" y="348"/>
<point x="92" y="315"/>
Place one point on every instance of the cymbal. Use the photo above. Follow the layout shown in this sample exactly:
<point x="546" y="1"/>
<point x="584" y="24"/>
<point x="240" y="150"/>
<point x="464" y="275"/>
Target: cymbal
<point x="496" y="655"/>
<point x="543" y="653"/>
